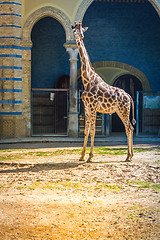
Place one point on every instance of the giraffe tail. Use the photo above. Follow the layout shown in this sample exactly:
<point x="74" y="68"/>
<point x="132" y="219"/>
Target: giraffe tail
<point x="133" y="120"/>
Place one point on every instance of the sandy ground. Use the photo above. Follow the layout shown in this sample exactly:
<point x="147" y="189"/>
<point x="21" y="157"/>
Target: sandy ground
<point x="46" y="194"/>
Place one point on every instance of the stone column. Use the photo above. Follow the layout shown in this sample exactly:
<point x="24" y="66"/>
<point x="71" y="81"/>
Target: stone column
<point x="11" y="119"/>
<point x="26" y="85"/>
<point x="73" y="104"/>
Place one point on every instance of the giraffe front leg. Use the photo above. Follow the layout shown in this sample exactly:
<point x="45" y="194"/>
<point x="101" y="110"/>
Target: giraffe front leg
<point x="129" y="131"/>
<point x="86" y="133"/>
<point x="92" y="133"/>
<point x="132" y="129"/>
<point x="130" y="141"/>
<point x="129" y="155"/>
<point x="84" y="144"/>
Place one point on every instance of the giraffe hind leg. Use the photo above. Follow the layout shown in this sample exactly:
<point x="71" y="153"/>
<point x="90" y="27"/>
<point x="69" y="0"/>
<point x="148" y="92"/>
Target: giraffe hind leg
<point x="129" y="133"/>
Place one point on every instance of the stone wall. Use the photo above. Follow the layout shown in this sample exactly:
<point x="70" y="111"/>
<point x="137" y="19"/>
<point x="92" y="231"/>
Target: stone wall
<point x="124" y="32"/>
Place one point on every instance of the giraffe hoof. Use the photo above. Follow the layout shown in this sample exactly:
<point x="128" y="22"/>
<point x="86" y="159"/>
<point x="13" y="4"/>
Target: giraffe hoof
<point x="81" y="159"/>
<point x="89" y="160"/>
<point x="128" y="159"/>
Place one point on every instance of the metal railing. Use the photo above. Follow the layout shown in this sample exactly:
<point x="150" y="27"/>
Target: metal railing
<point x="49" y="112"/>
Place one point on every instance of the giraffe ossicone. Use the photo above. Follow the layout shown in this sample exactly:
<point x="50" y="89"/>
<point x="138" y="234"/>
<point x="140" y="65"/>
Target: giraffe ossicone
<point x="99" y="96"/>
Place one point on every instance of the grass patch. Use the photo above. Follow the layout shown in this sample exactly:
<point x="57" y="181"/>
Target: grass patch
<point x="156" y="187"/>
<point x="55" y="185"/>
<point x="109" y="187"/>
<point x="138" y="214"/>
<point x="140" y="184"/>
<point x="35" y="185"/>
<point x="145" y="184"/>
<point x="118" y="151"/>
<point x="3" y="187"/>
<point x="9" y="150"/>
<point x="71" y="185"/>
<point x="139" y="150"/>
<point x="12" y="155"/>
<point x="110" y="151"/>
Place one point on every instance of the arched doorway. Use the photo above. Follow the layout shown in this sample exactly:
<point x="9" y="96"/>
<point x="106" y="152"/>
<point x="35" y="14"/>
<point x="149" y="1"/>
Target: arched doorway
<point x="131" y="85"/>
<point x="59" y="16"/>
<point x="49" y="68"/>
<point x="49" y="58"/>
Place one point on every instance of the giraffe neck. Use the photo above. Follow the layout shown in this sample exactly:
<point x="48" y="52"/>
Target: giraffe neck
<point x="86" y="66"/>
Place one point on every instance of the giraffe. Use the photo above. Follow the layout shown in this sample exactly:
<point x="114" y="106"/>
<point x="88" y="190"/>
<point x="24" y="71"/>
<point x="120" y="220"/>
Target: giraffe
<point x="98" y="96"/>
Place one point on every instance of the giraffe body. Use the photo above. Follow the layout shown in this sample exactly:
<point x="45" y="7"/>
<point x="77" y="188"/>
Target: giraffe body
<point x="98" y="96"/>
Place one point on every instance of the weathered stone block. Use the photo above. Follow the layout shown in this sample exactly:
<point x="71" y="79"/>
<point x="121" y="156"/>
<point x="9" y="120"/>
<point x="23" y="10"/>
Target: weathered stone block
<point x="11" y="127"/>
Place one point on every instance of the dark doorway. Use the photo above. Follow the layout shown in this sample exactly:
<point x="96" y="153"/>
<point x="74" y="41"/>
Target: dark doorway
<point x="49" y="70"/>
<point x="131" y="85"/>
<point x="61" y="98"/>
<point x="49" y="58"/>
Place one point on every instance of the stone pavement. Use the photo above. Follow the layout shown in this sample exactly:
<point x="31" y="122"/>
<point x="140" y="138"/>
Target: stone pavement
<point x="113" y="139"/>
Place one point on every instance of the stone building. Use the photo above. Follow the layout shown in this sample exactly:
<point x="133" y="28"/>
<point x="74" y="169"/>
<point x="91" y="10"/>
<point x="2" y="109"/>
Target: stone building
<point x="40" y="82"/>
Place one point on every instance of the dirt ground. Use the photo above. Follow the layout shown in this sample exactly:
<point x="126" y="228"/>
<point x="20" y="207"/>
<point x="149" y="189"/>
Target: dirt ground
<point x="46" y="193"/>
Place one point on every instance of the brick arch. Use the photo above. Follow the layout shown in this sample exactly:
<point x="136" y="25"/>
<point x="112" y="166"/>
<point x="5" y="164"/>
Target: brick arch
<point x="86" y="3"/>
<point x="26" y="53"/>
<point x="47" y="12"/>
<point x="156" y="5"/>
<point x="127" y="69"/>
<point x="122" y="68"/>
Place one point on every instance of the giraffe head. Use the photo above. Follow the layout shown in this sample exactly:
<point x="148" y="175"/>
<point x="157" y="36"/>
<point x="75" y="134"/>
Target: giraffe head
<point x="78" y="30"/>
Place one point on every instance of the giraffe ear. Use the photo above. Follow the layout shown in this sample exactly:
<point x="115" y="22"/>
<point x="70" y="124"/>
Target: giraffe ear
<point x="85" y="29"/>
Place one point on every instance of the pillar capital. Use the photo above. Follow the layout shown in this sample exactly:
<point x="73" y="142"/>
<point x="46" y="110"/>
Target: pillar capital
<point x="73" y="53"/>
<point x="70" y="44"/>
<point x="72" y="50"/>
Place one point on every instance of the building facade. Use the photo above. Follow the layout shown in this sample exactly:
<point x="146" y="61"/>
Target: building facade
<point x="40" y="67"/>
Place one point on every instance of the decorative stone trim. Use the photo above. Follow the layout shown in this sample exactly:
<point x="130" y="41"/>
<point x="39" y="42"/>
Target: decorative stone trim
<point x="82" y="9"/>
<point x="47" y="12"/>
<point x="156" y="5"/>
